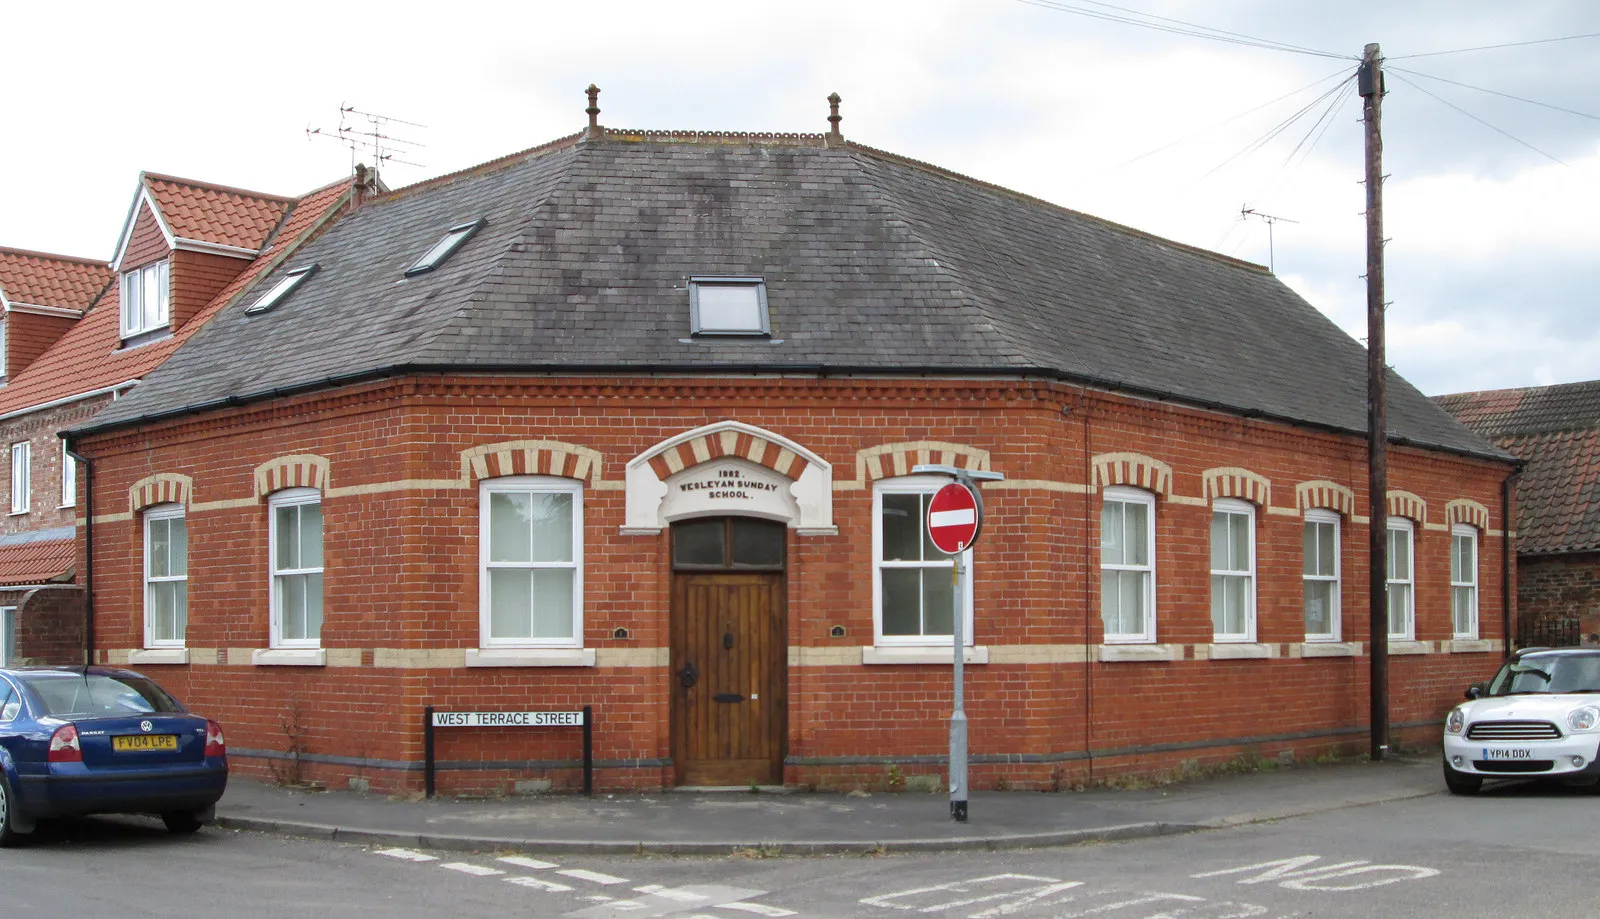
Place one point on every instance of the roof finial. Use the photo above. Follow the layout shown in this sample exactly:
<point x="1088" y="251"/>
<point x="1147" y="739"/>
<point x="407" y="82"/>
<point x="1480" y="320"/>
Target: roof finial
<point x="834" y="117"/>
<point x="593" y="110"/>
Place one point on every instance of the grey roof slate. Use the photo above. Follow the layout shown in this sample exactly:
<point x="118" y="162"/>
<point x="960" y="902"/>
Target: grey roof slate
<point x="872" y="263"/>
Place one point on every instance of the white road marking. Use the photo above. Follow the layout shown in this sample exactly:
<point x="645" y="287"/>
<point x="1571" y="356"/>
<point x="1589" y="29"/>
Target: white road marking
<point x="537" y="884"/>
<point x="407" y="855"/>
<point x="670" y="902"/>
<point x="600" y="898"/>
<point x="760" y="909"/>
<point x="1019" y="889"/>
<point x="650" y="888"/>
<point x="1294" y="873"/>
<point x="593" y="877"/>
<point x="469" y="868"/>
<point x="522" y="861"/>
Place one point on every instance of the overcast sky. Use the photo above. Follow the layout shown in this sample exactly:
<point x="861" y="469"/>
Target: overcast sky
<point x="1493" y="228"/>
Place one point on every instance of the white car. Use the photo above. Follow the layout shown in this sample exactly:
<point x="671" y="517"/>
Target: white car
<point x="1538" y="718"/>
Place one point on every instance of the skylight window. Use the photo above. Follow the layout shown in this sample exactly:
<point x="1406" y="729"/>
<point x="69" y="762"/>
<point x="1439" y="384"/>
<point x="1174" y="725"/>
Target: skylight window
<point x="286" y="285"/>
<point x="728" y="306"/>
<point x="454" y="238"/>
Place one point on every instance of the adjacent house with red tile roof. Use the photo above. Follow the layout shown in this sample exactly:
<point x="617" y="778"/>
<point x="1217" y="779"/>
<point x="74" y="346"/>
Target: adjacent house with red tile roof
<point x="1555" y="431"/>
<point x="77" y="334"/>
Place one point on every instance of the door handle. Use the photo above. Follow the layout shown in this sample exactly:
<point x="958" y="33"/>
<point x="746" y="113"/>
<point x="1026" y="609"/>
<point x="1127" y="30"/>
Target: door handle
<point x="689" y="675"/>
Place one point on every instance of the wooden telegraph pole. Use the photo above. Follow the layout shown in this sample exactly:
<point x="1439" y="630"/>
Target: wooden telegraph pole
<point x="1371" y="86"/>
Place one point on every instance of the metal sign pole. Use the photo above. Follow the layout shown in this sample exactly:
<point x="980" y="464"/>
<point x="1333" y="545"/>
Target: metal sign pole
<point x="958" y="717"/>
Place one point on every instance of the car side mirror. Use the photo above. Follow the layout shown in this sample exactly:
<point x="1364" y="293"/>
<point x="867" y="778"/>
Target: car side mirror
<point x="1474" y="691"/>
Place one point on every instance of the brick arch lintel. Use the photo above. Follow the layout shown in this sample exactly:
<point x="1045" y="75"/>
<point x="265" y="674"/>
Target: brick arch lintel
<point x="161" y="488"/>
<point x="897" y="459"/>
<point x="532" y="457"/>
<point x="1325" y="495"/>
<point x="1468" y="511"/>
<point x="1133" y="469"/>
<point x="810" y="474"/>
<point x="301" y="470"/>
<point x="1237" y="482"/>
<point x="1407" y="505"/>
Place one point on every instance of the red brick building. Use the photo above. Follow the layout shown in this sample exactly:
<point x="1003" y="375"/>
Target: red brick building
<point x="1555" y="431"/>
<point x="629" y="420"/>
<point x="77" y="334"/>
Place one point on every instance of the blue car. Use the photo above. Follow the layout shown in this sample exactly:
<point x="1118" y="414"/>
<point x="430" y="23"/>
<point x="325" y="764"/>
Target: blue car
<point x="98" y="740"/>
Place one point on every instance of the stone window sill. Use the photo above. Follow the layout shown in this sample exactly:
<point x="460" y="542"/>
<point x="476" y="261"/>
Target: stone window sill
<point x="872" y="654"/>
<point x="1330" y="649"/>
<point x="1239" y="651"/>
<point x="1133" y="653"/>
<point x="1469" y="645"/>
<point x="159" y="656"/>
<point x="530" y="657"/>
<point x="1397" y="646"/>
<point x="289" y="657"/>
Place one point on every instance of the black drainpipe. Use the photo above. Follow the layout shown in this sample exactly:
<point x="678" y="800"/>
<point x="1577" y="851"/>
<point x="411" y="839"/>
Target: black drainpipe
<point x="1506" y="487"/>
<point x="88" y="550"/>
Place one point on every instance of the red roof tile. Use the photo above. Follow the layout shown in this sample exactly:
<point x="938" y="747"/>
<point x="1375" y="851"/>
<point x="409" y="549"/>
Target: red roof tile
<point x="89" y="357"/>
<point x="37" y="562"/>
<point x="215" y="213"/>
<point x="1555" y="430"/>
<point x="51" y="280"/>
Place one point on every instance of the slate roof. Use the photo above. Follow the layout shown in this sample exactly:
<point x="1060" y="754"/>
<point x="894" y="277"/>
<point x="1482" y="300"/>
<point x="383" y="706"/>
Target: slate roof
<point x="873" y="263"/>
<point x="42" y="279"/>
<point x="1555" y="430"/>
<point x="90" y="356"/>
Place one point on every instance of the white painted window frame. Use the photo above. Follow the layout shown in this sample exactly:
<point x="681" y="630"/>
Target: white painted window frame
<point x="1236" y="507"/>
<point x="1335" y="622"/>
<point x="530" y="484"/>
<point x="913" y="485"/>
<point x="1469" y="533"/>
<point x="21" y="476"/>
<point x="69" y="477"/>
<point x="1122" y="494"/>
<point x="162" y="512"/>
<point x="5" y="342"/>
<point x="133" y="307"/>
<point x="8" y="635"/>
<point x="1402" y="526"/>
<point x="289" y="497"/>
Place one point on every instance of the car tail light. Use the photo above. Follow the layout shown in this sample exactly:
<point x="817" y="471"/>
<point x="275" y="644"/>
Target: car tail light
<point x="215" y="745"/>
<point x="64" y="745"/>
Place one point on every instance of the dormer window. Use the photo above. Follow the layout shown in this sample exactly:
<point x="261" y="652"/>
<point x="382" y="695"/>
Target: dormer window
<point x="286" y="285"/>
<point x="145" y="300"/>
<point x="728" y="306"/>
<point x="454" y="238"/>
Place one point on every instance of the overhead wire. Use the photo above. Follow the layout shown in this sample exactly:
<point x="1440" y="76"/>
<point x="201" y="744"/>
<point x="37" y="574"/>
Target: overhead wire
<point x="1321" y="126"/>
<point x="1509" y="44"/>
<point x="1282" y="126"/>
<point x="1492" y="92"/>
<point x="1176" y="26"/>
<point x="1230" y="120"/>
<point x="1486" y="124"/>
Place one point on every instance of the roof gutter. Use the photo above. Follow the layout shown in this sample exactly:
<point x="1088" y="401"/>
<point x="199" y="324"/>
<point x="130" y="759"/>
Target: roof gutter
<point x="67" y="400"/>
<point x="823" y="370"/>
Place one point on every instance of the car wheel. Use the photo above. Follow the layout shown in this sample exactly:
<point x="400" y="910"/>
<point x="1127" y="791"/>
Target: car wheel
<point x="181" y="821"/>
<point x="8" y="832"/>
<point x="1461" y="783"/>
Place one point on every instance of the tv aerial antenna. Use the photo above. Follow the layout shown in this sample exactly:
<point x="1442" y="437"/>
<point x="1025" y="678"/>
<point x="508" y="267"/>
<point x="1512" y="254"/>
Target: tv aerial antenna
<point x="1246" y="211"/>
<point x="370" y="133"/>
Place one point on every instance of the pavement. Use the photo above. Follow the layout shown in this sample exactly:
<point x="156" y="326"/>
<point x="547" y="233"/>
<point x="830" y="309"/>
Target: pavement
<point x="806" y="823"/>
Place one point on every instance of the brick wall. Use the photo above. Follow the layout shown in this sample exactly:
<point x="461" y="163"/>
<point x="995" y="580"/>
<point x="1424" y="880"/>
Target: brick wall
<point x="48" y="625"/>
<point x="41" y="429"/>
<point x="1559" y="599"/>
<point x="401" y="584"/>
<point x="196" y="277"/>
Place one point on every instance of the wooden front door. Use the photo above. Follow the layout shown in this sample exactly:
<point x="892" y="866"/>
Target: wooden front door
<point x="729" y="652"/>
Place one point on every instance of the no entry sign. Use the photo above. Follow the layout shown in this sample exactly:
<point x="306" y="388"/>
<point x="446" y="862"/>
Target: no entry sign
<point x="954" y="518"/>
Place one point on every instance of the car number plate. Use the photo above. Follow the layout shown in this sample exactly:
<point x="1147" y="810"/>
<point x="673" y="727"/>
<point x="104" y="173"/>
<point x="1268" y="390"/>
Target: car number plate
<point x="138" y="743"/>
<point x="1507" y="753"/>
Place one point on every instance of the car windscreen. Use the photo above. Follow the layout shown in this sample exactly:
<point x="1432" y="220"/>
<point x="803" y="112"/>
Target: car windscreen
<point x="75" y="695"/>
<point x="1548" y="673"/>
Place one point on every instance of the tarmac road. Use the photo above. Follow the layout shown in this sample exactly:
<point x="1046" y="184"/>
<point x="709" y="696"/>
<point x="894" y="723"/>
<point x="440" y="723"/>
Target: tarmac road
<point x="1518" y="850"/>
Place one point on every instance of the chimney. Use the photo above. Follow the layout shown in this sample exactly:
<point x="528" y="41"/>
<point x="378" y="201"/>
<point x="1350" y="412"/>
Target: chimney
<point x="363" y="185"/>
<point x="595" y="132"/>
<point x="834" y="137"/>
